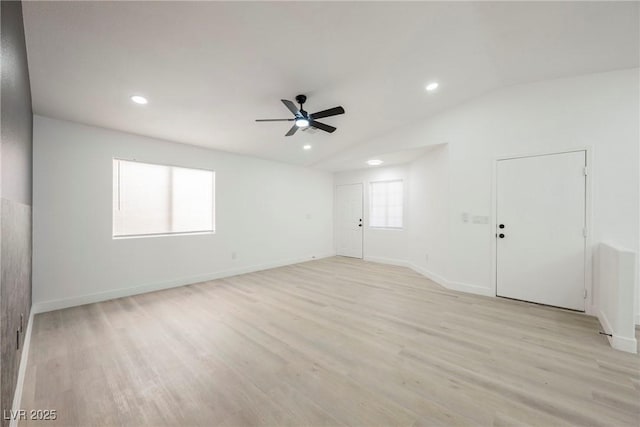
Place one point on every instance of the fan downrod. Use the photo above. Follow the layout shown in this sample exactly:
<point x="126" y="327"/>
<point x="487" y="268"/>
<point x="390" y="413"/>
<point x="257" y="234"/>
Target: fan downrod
<point x="301" y="99"/>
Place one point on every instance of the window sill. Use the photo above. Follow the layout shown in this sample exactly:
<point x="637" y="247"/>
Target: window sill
<point x="140" y="236"/>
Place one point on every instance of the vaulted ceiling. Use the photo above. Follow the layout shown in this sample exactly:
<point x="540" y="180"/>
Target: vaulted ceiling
<point x="210" y="69"/>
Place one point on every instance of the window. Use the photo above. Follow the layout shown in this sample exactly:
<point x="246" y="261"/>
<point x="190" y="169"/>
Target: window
<point x="386" y="204"/>
<point x="153" y="199"/>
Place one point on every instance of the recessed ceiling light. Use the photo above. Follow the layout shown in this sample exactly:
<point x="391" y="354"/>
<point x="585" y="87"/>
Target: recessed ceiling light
<point x="302" y="123"/>
<point x="139" y="99"/>
<point x="374" y="162"/>
<point x="307" y="147"/>
<point x="432" y="86"/>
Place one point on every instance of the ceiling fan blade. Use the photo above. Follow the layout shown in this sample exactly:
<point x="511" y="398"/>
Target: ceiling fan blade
<point x="291" y="106"/>
<point x="327" y="113"/>
<point x="322" y="126"/>
<point x="274" y="120"/>
<point x="292" y="131"/>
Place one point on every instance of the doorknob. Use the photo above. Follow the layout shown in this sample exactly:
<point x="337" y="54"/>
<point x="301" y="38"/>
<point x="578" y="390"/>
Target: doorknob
<point x="501" y="226"/>
<point x="359" y="225"/>
<point x="501" y="236"/>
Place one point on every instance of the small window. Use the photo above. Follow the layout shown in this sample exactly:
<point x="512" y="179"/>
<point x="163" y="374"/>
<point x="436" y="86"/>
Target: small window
<point x="386" y="204"/>
<point x="151" y="199"/>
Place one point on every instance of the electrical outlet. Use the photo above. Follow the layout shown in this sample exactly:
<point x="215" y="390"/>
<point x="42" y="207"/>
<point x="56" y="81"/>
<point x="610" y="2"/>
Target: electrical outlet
<point x="426" y="257"/>
<point x="233" y="255"/>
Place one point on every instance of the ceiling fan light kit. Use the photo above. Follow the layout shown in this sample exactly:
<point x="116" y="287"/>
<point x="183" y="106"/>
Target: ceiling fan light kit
<point x="304" y="120"/>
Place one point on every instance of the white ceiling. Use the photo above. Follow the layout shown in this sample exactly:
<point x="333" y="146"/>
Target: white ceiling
<point x="389" y="158"/>
<point x="210" y="69"/>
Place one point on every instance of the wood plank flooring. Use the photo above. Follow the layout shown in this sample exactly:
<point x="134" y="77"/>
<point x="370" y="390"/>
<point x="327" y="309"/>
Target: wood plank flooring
<point x="332" y="342"/>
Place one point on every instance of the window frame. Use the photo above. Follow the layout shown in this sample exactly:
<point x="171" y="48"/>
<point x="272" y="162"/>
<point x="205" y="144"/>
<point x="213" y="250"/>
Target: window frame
<point x="385" y="227"/>
<point x="162" y="234"/>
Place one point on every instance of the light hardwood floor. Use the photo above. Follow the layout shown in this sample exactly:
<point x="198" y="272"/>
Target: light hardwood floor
<point x="326" y="343"/>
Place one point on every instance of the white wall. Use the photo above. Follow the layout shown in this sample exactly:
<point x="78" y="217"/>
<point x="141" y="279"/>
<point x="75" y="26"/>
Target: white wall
<point x="428" y="240"/>
<point x="268" y="213"/>
<point x="600" y="111"/>
<point x="384" y="245"/>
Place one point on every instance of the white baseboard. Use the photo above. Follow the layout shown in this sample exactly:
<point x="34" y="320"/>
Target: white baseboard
<point x="469" y="288"/>
<point x="22" y="371"/>
<point x="390" y="261"/>
<point x="630" y="345"/>
<point x="44" y="306"/>
<point x="455" y="286"/>
<point x="430" y="275"/>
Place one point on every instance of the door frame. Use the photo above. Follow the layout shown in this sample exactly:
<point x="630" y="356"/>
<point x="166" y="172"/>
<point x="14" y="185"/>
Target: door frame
<point x="588" y="253"/>
<point x="335" y="211"/>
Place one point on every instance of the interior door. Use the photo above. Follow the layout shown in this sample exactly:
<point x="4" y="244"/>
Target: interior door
<point x="541" y="229"/>
<point x="349" y="220"/>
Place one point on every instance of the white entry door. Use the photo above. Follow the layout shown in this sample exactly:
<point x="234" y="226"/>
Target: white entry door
<point x="349" y="220"/>
<point x="540" y="229"/>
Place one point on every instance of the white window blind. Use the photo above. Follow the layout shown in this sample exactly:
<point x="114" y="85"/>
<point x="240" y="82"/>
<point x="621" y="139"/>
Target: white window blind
<point x="386" y="204"/>
<point x="150" y="199"/>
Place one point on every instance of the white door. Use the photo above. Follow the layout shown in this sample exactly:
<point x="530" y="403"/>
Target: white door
<point x="349" y="220"/>
<point x="541" y="229"/>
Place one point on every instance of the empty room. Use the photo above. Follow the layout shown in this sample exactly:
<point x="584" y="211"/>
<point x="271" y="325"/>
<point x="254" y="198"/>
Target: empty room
<point x="320" y="213"/>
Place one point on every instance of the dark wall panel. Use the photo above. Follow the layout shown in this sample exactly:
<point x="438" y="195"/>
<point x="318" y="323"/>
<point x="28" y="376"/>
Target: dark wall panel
<point x="17" y="116"/>
<point x="15" y="209"/>
<point x="16" y="292"/>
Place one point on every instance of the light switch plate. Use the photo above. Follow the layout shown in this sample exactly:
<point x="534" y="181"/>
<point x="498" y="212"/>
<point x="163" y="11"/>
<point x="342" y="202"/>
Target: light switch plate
<point x="480" y="219"/>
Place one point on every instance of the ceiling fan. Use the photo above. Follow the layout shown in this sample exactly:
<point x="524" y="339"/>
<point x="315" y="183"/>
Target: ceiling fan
<point x="302" y="119"/>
